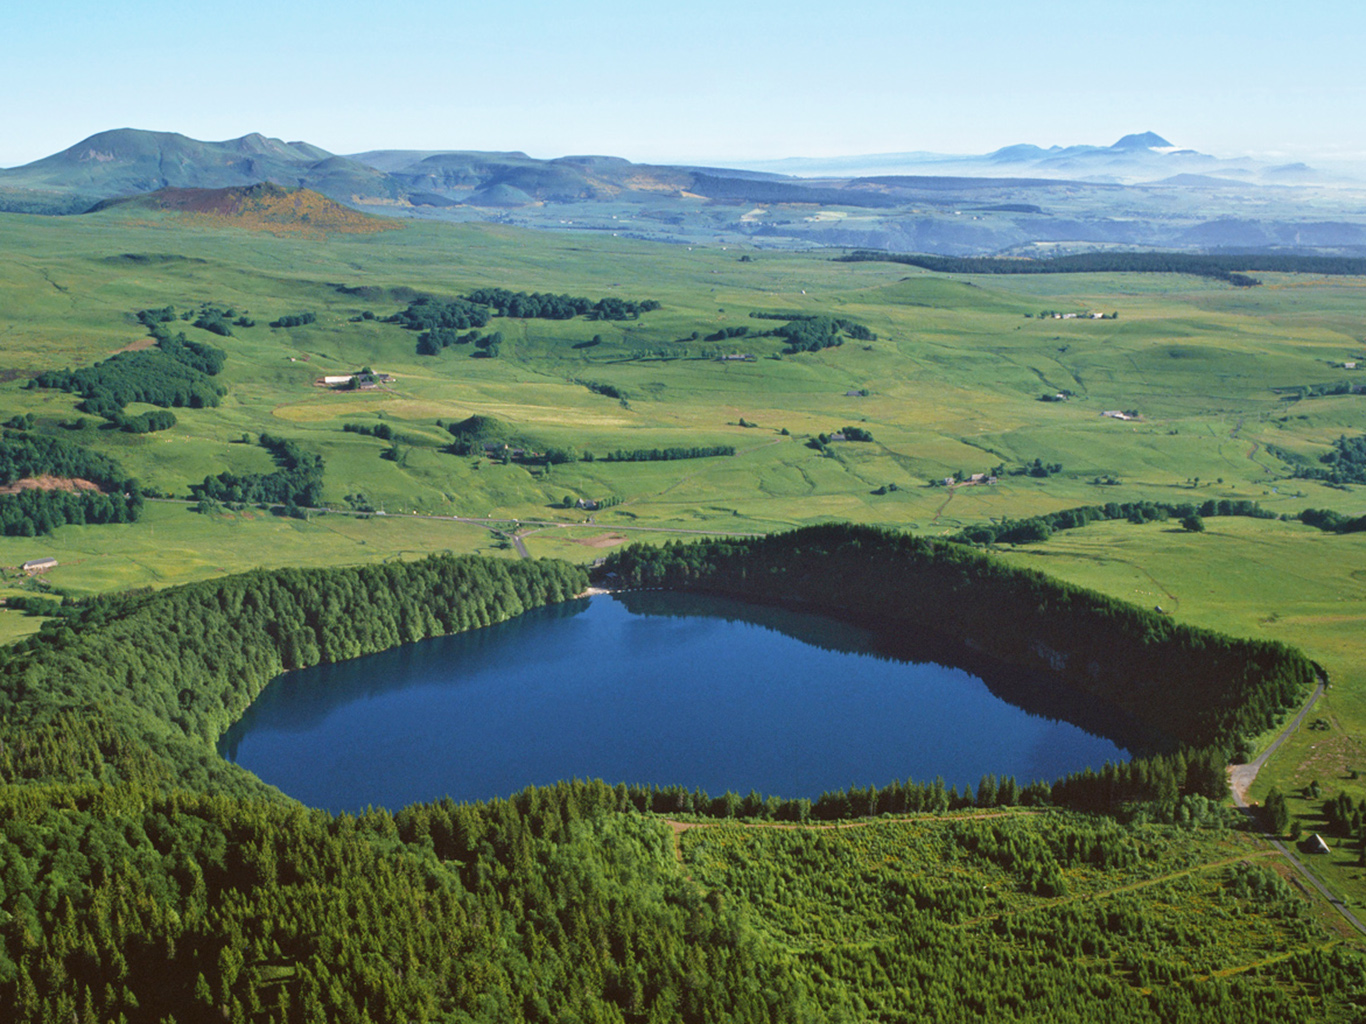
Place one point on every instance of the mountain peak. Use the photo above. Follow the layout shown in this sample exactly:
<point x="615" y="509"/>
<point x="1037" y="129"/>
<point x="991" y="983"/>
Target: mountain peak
<point x="1147" y="140"/>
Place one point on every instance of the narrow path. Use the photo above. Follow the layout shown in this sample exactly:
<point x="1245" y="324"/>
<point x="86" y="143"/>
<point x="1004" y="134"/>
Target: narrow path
<point x="942" y="505"/>
<point x="521" y="548"/>
<point x="1241" y="778"/>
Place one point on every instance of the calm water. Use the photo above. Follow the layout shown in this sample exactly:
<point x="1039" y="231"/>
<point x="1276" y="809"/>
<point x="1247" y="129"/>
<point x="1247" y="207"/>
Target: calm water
<point x="655" y="688"/>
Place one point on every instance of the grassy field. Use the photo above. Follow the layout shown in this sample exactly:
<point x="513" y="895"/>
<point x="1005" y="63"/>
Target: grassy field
<point x="953" y="381"/>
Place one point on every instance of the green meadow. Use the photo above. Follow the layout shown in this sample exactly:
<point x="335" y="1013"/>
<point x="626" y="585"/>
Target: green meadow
<point x="953" y="384"/>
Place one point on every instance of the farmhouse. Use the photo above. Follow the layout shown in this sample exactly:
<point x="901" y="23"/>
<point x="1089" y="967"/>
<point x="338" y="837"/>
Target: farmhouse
<point x="1117" y="415"/>
<point x="40" y="565"/>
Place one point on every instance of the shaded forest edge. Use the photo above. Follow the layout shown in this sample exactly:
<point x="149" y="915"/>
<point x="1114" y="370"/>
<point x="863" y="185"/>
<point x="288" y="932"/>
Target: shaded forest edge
<point x="1201" y="688"/>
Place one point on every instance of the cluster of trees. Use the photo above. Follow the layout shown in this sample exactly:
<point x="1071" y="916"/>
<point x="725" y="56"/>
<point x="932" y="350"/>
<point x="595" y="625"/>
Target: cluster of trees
<point x="1197" y="687"/>
<point x="144" y="423"/>
<point x="431" y="343"/>
<point x="606" y="390"/>
<point x="204" y="358"/>
<point x="215" y="321"/>
<point x="33" y="512"/>
<point x="963" y="921"/>
<point x="1223" y="267"/>
<point x="1345" y="464"/>
<point x="31" y="455"/>
<point x="545" y="306"/>
<point x="297" y="482"/>
<point x="663" y="454"/>
<point x="727" y="332"/>
<point x="1040" y="528"/>
<point x="380" y="430"/>
<point x="812" y="333"/>
<point x="1037" y="468"/>
<point x="295" y="320"/>
<point x="428" y="314"/>
<point x="1332" y="522"/>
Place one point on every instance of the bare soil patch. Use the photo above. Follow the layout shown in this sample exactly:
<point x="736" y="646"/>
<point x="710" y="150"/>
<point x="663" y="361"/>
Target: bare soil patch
<point x="602" y="540"/>
<point x="49" y="483"/>
<point x="138" y="346"/>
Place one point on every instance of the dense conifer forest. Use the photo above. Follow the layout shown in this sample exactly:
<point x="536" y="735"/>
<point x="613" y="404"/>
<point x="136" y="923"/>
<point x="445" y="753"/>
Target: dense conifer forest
<point x="142" y="878"/>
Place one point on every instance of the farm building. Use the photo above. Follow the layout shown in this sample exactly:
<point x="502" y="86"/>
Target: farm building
<point x="40" y="565"/>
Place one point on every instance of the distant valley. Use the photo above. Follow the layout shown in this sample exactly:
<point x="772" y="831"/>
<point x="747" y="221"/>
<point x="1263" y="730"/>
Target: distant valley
<point x="1140" y="192"/>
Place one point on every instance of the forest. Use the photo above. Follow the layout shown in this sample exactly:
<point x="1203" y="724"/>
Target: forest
<point x="144" y="879"/>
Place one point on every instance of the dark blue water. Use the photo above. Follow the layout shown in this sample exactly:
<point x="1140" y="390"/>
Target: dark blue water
<point x="652" y="688"/>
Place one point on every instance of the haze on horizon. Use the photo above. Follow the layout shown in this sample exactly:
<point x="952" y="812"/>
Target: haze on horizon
<point x="712" y="83"/>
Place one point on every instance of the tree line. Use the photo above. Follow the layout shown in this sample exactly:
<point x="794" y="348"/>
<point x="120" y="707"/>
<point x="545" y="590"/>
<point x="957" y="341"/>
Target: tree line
<point x="1223" y="266"/>
<point x="1040" y="528"/>
<point x="297" y="482"/>
<point x="545" y="306"/>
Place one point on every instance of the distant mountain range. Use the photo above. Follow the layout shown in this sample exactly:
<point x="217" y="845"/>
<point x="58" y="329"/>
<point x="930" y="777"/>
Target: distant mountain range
<point x="1135" y="159"/>
<point x="1139" y="192"/>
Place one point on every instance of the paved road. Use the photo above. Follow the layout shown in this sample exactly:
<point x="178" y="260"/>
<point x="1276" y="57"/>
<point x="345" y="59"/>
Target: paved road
<point x="1241" y="778"/>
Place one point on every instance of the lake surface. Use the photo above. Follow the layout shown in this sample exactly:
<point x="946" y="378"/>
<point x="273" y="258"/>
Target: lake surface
<point x="664" y="688"/>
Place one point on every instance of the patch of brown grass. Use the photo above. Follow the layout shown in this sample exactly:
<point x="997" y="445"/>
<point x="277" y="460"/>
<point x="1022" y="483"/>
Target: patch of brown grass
<point x="49" y="483"/>
<point x="602" y="540"/>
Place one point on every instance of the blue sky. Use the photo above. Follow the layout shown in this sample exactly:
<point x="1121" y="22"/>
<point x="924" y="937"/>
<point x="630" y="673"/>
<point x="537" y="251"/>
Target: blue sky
<point x="697" y="81"/>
